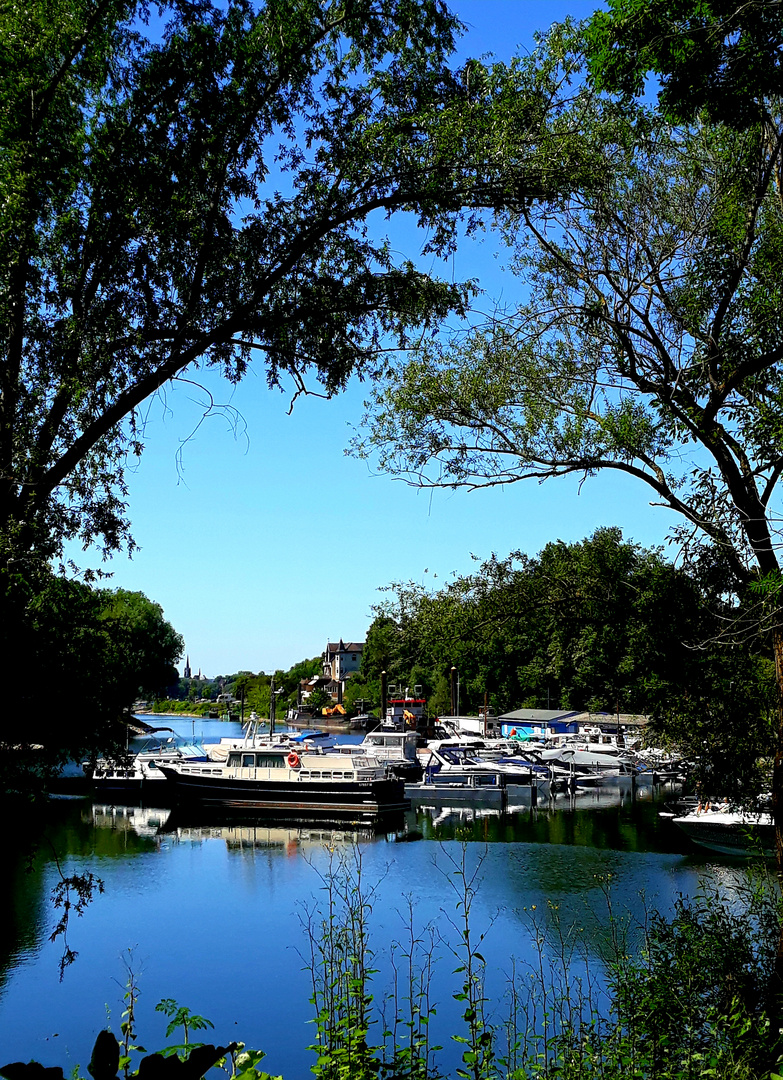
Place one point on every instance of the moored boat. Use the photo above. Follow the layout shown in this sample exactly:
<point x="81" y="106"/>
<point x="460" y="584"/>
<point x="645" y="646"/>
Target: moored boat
<point x="732" y="832"/>
<point x="450" y="761"/>
<point x="484" y="788"/>
<point x="133" y="773"/>
<point x="608" y="762"/>
<point x="396" y="750"/>
<point x="295" y="782"/>
<point x="405" y="711"/>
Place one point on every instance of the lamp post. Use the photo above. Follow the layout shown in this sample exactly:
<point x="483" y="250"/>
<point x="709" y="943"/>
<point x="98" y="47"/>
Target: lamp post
<point x="272" y="703"/>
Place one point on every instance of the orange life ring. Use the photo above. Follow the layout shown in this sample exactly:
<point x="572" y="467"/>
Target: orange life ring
<point x="512" y="733"/>
<point x="293" y="760"/>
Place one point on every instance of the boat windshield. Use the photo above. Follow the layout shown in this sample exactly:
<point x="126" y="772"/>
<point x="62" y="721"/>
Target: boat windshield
<point x="457" y="755"/>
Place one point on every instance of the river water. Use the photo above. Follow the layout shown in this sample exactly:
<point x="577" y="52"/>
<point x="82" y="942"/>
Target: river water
<point x="213" y="916"/>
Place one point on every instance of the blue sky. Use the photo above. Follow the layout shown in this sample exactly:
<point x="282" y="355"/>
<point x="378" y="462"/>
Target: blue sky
<point x="269" y="541"/>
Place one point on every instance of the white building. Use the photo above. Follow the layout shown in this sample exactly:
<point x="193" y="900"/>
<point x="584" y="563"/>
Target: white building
<point x="340" y="659"/>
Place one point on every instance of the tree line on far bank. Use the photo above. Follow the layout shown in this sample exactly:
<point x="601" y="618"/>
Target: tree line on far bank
<point x="602" y="625"/>
<point x="200" y="696"/>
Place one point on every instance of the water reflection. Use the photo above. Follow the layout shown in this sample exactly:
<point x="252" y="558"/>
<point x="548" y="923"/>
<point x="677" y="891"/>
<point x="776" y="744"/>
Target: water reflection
<point x="614" y="817"/>
<point x="610" y="817"/>
<point x="142" y="821"/>
<point x="252" y="836"/>
<point x="178" y="883"/>
<point x="239" y="832"/>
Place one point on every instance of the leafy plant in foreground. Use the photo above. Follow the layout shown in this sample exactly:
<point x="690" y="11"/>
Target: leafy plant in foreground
<point x="690" y="1001"/>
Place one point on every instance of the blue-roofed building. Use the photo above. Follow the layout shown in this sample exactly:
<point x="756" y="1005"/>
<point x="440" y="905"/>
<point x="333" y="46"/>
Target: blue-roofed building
<point x="539" y="723"/>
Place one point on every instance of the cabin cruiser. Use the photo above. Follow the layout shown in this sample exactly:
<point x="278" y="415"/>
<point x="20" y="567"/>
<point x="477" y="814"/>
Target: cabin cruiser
<point x="294" y="780"/>
<point x="571" y="758"/>
<point x="446" y="760"/>
<point x="134" y="772"/>
<point x="396" y="750"/>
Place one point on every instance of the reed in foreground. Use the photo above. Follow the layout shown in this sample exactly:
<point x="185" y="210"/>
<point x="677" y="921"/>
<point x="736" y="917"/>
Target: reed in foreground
<point x="683" y="996"/>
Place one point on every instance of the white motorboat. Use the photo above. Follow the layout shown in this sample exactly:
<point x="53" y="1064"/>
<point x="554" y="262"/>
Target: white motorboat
<point x="728" y="830"/>
<point x="133" y="773"/>
<point x="396" y="750"/>
<point x="450" y="761"/>
<point x="608" y="761"/>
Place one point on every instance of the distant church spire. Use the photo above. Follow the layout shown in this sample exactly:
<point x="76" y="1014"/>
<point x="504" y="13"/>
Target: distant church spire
<point x="186" y="673"/>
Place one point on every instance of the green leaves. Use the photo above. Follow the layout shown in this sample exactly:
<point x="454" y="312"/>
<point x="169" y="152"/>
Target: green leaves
<point x="713" y="56"/>
<point x="647" y="334"/>
<point x="590" y="624"/>
<point x="99" y="646"/>
<point x="182" y="1017"/>
<point x="198" y="195"/>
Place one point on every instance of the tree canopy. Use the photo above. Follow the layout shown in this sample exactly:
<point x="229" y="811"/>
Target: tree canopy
<point x="587" y="625"/>
<point x="648" y="339"/>
<point x="189" y="184"/>
<point x="716" y="57"/>
<point x="79" y="657"/>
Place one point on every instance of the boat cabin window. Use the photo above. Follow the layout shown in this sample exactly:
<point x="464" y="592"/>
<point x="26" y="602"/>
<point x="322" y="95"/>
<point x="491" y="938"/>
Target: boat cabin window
<point x="270" y="761"/>
<point x="256" y="761"/>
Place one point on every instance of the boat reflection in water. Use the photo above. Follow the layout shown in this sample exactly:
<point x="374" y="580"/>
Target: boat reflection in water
<point x="584" y="817"/>
<point x="239" y="831"/>
<point x="618" y="816"/>
<point x="146" y="821"/>
<point x="252" y="830"/>
<point x="257" y="836"/>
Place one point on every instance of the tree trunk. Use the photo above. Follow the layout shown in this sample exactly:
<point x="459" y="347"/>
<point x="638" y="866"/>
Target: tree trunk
<point x="777" y="817"/>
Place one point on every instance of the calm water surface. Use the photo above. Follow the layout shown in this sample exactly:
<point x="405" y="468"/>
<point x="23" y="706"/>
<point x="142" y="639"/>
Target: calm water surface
<point x="211" y="914"/>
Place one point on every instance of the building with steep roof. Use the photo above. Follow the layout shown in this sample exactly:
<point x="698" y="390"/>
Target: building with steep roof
<point x="340" y="659"/>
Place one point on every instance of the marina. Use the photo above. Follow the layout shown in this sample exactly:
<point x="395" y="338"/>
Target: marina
<point x="233" y="844"/>
<point x="337" y="776"/>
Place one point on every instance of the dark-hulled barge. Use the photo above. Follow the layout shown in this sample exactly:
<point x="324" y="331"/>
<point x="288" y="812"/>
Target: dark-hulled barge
<point x="307" y="782"/>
